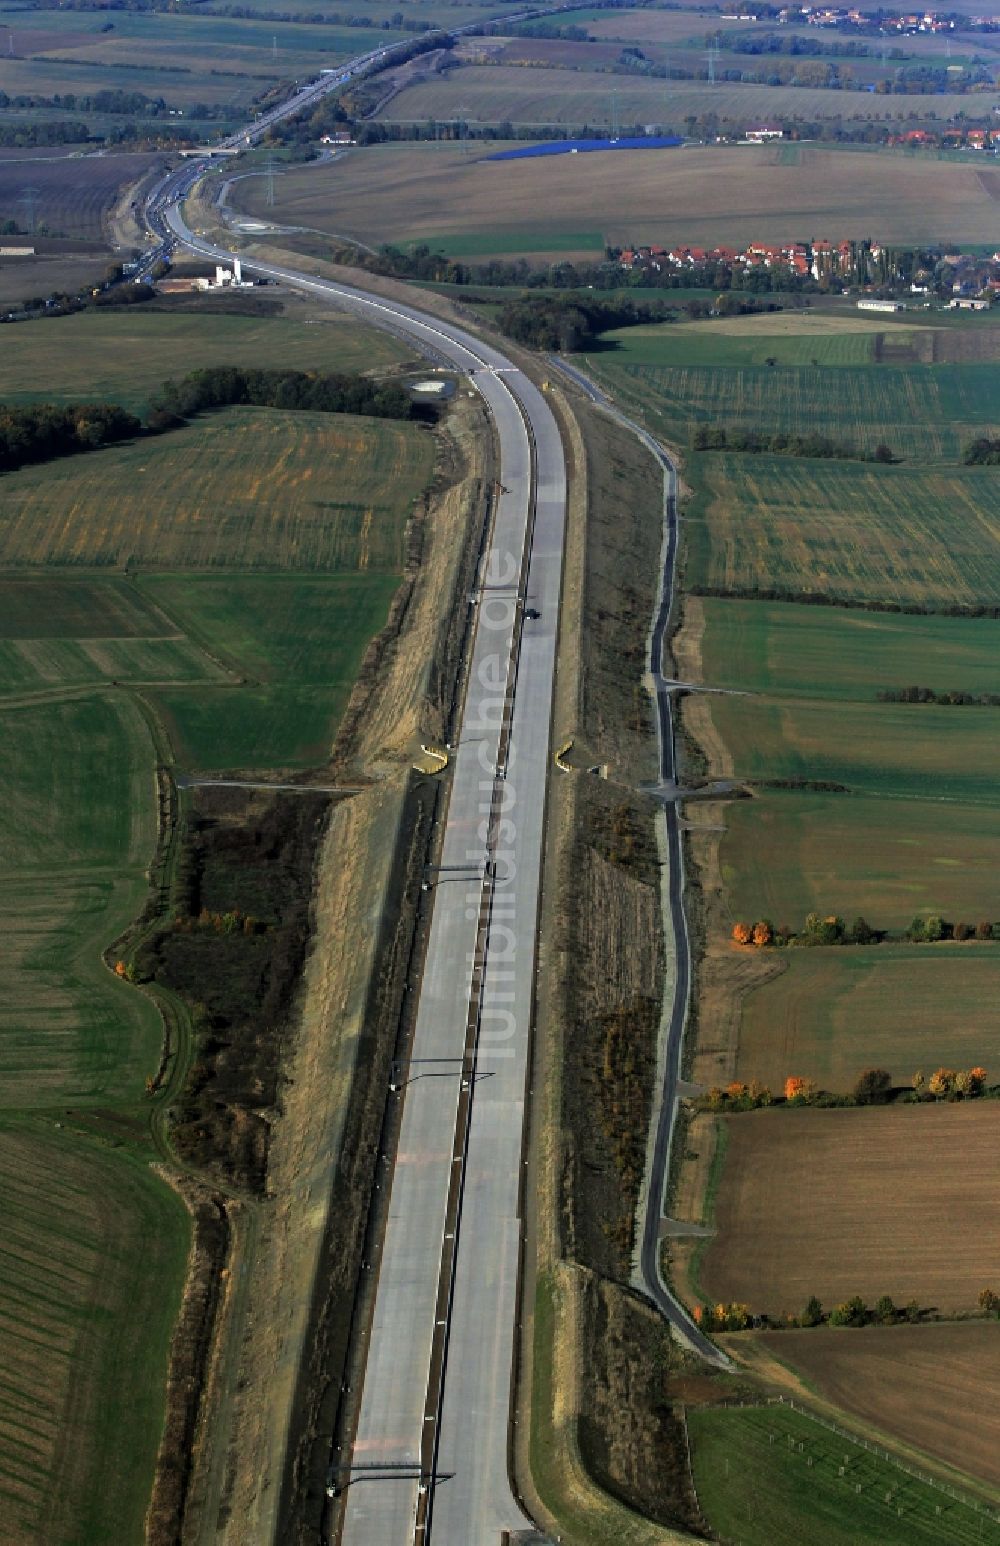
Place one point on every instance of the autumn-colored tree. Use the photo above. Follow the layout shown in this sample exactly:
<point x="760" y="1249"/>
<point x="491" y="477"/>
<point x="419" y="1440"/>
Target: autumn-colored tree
<point x="737" y="1317"/>
<point x="979" y="1079"/>
<point x="716" y="1098"/>
<point x="941" y="1082"/>
<point x="742" y="933"/>
<point x="962" y="931"/>
<point x="919" y="1081"/>
<point x="698" y="1314"/>
<point x="853" y="1312"/>
<point x="989" y="1302"/>
<point x="984" y="929"/>
<point x="759" y="1093"/>
<point x="763" y="933"/>
<point x="735" y="1090"/>
<point x="799" y="1089"/>
<point x="964" y="1082"/>
<point x="120" y="968"/>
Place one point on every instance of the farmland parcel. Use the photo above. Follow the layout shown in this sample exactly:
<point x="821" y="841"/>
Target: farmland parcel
<point x="122" y="650"/>
<point x="451" y="196"/>
<point x="859" y="806"/>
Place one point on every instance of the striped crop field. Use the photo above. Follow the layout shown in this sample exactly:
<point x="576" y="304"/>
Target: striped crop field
<point x="248" y="488"/>
<point x="840" y="652"/>
<point x="493" y="93"/>
<point x="91" y="1266"/>
<point x="766" y="1474"/>
<point x="923" y="414"/>
<point x="846" y="530"/>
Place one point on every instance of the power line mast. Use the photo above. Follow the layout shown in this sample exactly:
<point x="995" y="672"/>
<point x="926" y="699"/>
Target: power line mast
<point x="29" y="197"/>
<point x="615" y="116"/>
<point x="269" y="184"/>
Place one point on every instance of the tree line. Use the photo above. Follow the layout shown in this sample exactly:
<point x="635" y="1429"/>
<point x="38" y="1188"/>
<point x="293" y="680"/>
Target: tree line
<point x="872" y="1087"/>
<point x="819" y="930"/>
<point x="988" y="700"/>
<point x="983" y="452"/>
<point x="224" y="386"/>
<point x="44" y="431"/>
<point x="572" y="322"/>
<point x="716" y="437"/>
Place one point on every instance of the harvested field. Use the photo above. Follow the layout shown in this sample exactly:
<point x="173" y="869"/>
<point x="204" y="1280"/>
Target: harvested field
<point x="249" y="488"/>
<point x="833" y="1012"/>
<point x="75" y="193"/>
<point x="766" y="1474"/>
<point x="846" y="530"/>
<point x="700" y="196"/>
<point x="899" y="1200"/>
<point x="125" y="358"/>
<point x="24" y="279"/>
<point x="492" y="93"/>
<point x="90" y="1273"/>
<point x="930" y="1386"/>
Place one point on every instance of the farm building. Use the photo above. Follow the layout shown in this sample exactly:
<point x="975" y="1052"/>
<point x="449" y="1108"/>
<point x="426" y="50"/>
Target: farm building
<point x="875" y="305"/>
<point x="763" y="133"/>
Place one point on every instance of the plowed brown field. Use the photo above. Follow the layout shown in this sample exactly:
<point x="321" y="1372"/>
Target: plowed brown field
<point x="900" y="1200"/>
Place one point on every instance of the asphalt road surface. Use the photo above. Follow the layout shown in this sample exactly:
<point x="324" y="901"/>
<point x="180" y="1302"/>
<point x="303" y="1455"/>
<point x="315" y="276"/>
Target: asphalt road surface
<point x="666" y="1114"/>
<point x="462" y="1495"/>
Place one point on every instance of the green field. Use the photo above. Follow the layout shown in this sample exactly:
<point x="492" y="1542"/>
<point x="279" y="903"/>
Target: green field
<point x="766" y="1475"/>
<point x="836" y="652"/>
<point x="264" y="550"/>
<point x="249" y="488"/>
<point x="94" y="1244"/>
<point x="701" y="347"/>
<point x="788" y="853"/>
<point x="124" y="358"/>
<point x="892" y="750"/>
<point x="91" y="1269"/>
<point x="299" y="640"/>
<point x="845" y="530"/>
<point x="835" y="1011"/>
<point x="681" y="377"/>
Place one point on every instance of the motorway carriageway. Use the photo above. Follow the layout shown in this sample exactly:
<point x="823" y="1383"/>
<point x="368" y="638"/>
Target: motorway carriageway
<point x="426" y="1468"/>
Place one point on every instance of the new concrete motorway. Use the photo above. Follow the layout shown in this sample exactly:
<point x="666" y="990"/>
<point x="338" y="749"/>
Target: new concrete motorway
<point x="430" y="1458"/>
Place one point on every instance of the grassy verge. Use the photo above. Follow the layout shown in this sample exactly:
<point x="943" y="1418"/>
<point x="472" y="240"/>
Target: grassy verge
<point x="767" y="1474"/>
